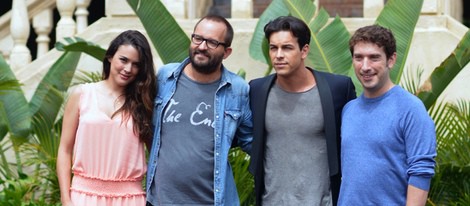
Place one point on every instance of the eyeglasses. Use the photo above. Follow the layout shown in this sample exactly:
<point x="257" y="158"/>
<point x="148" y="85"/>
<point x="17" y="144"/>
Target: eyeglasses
<point x="212" y="44"/>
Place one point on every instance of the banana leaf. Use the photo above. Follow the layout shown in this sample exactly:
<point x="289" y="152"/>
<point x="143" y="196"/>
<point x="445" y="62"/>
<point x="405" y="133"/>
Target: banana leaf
<point x="401" y="17"/>
<point x="80" y="45"/>
<point x="443" y="74"/>
<point x="329" y="46"/>
<point x="168" y="38"/>
<point x="48" y="97"/>
<point x="14" y="112"/>
<point x="259" y="44"/>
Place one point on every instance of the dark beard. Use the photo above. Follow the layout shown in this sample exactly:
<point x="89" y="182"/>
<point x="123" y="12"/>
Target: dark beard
<point x="208" y="67"/>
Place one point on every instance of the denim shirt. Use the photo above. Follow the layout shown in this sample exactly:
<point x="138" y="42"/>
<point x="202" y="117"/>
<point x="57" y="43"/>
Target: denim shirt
<point x="232" y="120"/>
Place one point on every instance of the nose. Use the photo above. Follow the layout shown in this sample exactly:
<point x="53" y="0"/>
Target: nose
<point x="127" y="67"/>
<point x="279" y="54"/>
<point x="203" y="45"/>
<point x="365" y="65"/>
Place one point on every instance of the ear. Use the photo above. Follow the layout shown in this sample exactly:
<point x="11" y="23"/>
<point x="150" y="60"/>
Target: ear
<point x="391" y="61"/>
<point x="227" y="52"/>
<point x="304" y="51"/>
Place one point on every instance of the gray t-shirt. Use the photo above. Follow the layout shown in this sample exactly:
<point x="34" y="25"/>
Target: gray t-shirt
<point x="296" y="161"/>
<point x="185" y="170"/>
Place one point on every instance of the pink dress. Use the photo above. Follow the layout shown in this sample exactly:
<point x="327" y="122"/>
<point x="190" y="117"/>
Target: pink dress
<point x="108" y="159"/>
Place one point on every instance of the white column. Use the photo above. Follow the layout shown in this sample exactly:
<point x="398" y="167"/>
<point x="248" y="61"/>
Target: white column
<point x="66" y="25"/>
<point x="81" y="14"/>
<point x="433" y="7"/>
<point x="372" y="8"/>
<point x="42" y="24"/>
<point x="242" y="9"/>
<point x="192" y="9"/>
<point x="117" y="8"/>
<point x="19" y="27"/>
<point x="177" y="8"/>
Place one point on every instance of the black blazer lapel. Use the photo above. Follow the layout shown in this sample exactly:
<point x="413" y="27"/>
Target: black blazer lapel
<point x="329" y="121"/>
<point x="259" y="91"/>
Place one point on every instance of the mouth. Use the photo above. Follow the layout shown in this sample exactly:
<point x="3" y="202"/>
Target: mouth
<point x="200" y="53"/>
<point x="367" y="76"/>
<point x="125" y="77"/>
<point x="279" y="64"/>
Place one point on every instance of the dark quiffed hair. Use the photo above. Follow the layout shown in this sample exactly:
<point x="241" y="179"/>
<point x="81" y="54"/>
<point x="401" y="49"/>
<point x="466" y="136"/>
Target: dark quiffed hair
<point x="297" y="27"/>
<point x="140" y="93"/>
<point x="375" y="34"/>
<point x="228" y="35"/>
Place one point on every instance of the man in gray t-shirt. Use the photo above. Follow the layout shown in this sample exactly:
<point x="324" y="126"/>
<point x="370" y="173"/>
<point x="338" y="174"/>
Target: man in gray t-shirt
<point x="201" y="110"/>
<point x="296" y="123"/>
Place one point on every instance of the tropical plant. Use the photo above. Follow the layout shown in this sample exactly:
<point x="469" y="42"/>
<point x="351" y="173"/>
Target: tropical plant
<point x="451" y="184"/>
<point x="33" y="132"/>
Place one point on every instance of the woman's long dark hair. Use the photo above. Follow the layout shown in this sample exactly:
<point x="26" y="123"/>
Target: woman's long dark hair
<point x="140" y="93"/>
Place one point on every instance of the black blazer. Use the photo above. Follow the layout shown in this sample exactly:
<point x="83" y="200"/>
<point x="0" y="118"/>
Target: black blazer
<point x="335" y="91"/>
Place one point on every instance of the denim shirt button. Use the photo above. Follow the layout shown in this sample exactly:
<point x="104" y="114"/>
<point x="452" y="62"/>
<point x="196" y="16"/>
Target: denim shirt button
<point x="217" y="172"/>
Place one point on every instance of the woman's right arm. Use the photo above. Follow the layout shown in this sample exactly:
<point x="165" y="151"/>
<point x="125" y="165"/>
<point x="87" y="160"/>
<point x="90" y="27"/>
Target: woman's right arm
<point x="67" y="141"/>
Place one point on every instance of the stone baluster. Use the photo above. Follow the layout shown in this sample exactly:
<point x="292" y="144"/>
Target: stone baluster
<point x="66" y="25"/>
<point x="372" y="8"/>
<point x="177" y="8"/>
<point x="242" y="9"/>
<point x="81" y="14"/>
<point x="20" y="55"/>
<point x="42" y="24"/>
<point x="192" y="9"/>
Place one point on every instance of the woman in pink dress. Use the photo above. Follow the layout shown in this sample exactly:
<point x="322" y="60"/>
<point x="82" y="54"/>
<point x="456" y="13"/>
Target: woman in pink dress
<point x="105" y="127"/>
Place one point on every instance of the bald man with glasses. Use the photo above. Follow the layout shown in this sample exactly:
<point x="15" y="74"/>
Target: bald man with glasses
<point x="201" y="110"/>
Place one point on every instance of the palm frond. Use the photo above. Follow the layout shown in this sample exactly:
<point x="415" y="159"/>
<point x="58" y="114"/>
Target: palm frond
<point x="169" y="39"/>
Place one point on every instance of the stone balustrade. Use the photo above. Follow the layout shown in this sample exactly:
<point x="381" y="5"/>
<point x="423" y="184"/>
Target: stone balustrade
<point x="39" y="12"/>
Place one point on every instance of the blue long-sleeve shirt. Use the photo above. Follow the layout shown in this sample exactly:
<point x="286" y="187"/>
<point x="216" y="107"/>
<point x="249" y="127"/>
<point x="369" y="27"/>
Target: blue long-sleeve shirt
<point x="387" y="143"/>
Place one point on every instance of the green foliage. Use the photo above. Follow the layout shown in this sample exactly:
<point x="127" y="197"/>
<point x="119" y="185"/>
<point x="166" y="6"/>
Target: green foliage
<point x="167" y="36"/>
<point x="87" y="77"/>
<point x="245" y="182"/>
<point x="329" y="46"/>
<point x="78" y="44"/>
<point x="329" y="49"/>
<point x="258" y="44"/>
<point x="34" y="130"/>
<point x="14" y="111"/>
<point x="401" y="17"/>
<point x="442" y="75"/>
<point x="451" y="184"/>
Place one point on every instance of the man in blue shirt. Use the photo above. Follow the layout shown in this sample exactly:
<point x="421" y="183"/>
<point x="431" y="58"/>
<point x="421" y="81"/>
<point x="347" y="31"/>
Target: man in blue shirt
<point x="201" y="107"/>
<point x="388" y="139"/>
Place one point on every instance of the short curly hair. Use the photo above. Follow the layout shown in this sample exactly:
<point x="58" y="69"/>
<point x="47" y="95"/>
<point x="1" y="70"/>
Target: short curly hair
<point x="375" y="34"/>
